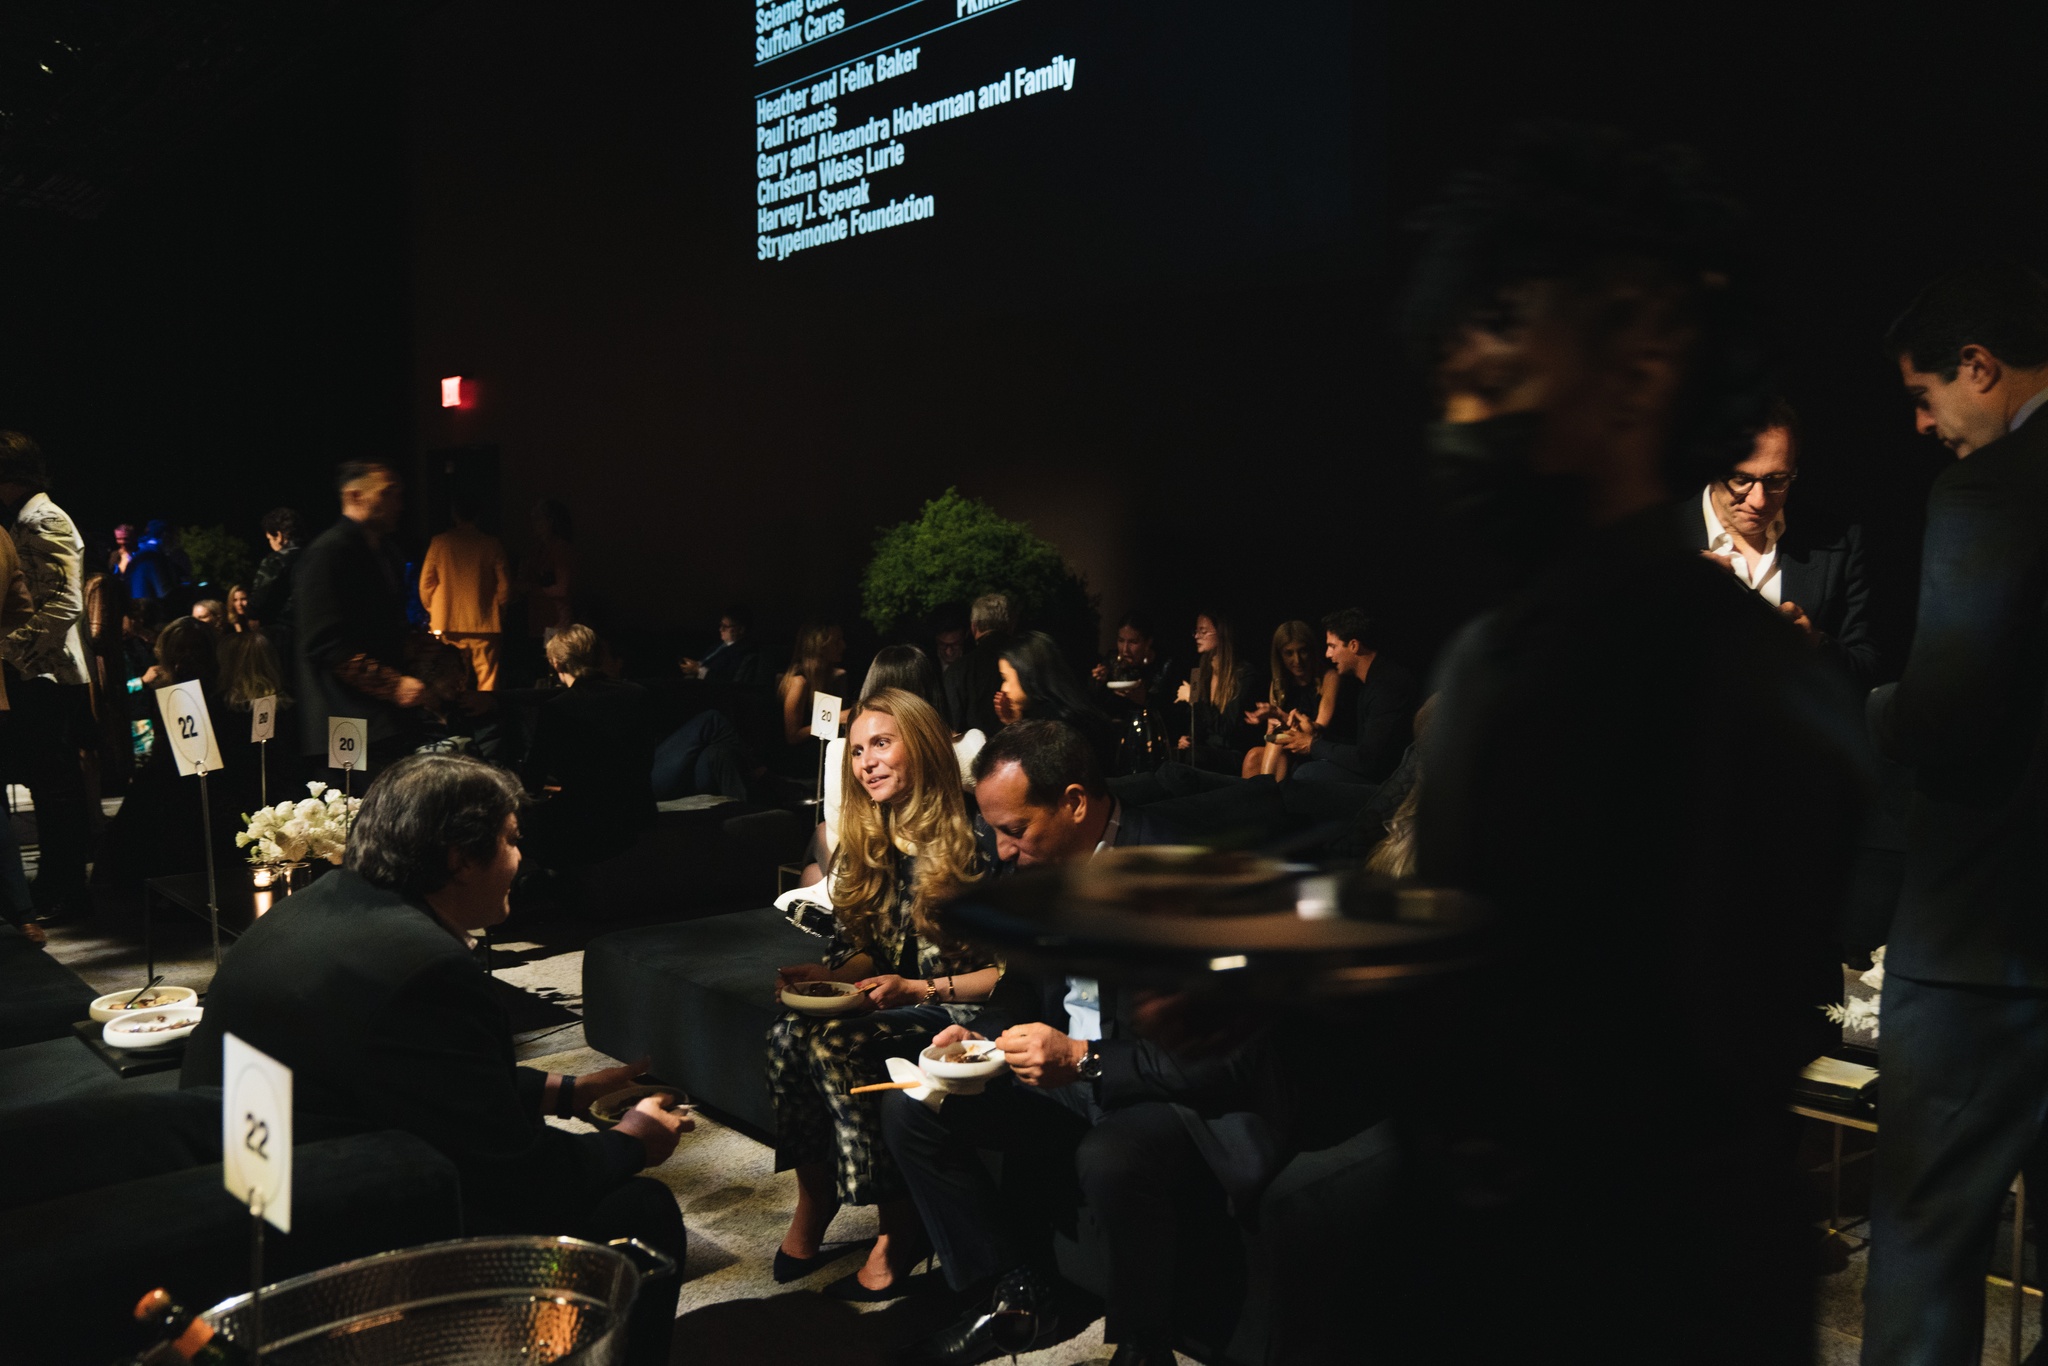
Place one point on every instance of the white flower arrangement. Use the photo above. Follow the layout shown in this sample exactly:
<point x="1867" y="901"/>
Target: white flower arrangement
<point x="1861" y="1013"/>
<point x="314" y="827"/>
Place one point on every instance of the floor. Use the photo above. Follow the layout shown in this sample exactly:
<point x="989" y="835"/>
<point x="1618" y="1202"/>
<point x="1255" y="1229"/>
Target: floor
<point x="736" y="1206"/>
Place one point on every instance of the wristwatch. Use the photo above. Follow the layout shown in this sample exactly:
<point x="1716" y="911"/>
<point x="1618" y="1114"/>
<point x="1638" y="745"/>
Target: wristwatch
<point x="1091" y="1064"/>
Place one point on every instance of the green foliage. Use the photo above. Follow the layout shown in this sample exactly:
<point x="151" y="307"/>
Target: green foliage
<point x="220" y="559"/>
<point x="959" y="548"/>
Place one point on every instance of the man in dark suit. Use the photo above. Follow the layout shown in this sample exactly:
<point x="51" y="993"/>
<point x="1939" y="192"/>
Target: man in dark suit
<point x="593" y="743"/>
<point x="364" y="985"/>
<point x="1366" y="746"/>
<point x="1152" y="1136"/>
<point x="1810" y="572"/>
<point x="994" y="624"/>
<point x="350" y="608"/>
<point x="1965" y="1044"/>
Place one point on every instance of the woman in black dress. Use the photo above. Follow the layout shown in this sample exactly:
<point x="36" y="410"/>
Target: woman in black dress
<point x="1037" y="685"/>
<point x="1218" y="696"/>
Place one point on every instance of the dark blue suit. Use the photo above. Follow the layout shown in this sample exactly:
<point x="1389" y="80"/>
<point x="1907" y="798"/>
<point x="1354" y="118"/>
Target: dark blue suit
<point x="1965" y="1041"/>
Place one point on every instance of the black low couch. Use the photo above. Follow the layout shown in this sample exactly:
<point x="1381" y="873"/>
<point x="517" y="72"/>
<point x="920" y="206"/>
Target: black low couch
<point x="115" y="1193"/>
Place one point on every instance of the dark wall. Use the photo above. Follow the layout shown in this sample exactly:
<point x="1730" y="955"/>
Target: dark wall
<point x="584" y="250"/>
<point x="235" y="322"/>
<point x="1242" y="435"/>
<point x="539" y="197"/>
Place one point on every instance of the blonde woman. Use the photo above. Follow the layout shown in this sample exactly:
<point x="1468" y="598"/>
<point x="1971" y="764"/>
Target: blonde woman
<point x="1302" y="695"/>
<point x="905" y="844"/>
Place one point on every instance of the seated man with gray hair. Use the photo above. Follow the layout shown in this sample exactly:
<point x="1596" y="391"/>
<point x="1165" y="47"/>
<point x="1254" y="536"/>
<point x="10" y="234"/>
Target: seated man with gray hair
<point x="365" y="986"/>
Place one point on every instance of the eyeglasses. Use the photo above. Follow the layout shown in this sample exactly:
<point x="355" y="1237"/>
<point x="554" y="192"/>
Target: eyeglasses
<point x="1774" y="484"/>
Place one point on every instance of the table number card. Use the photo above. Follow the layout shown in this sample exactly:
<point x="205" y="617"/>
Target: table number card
<point x="256" y="1131"/>
<point x="262" y="719"/>
<point x="190" y="729"/>
<point x="825" y="712"/>
<point x="348" y="743"/>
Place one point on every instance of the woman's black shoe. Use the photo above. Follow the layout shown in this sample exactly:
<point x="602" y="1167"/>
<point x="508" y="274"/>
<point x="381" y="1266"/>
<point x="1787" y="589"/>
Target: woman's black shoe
<point x="788" y="1268"/>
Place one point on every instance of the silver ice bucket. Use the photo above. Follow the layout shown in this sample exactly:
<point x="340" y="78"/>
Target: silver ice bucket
<point x="470" y="1302"/>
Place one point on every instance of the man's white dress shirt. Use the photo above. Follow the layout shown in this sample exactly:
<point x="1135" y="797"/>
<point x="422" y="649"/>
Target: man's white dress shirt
<point x="1765" y="579"/>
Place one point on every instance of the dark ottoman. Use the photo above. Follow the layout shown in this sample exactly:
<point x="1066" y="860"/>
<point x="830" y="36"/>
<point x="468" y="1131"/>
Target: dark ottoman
<point x="697" y="998"/>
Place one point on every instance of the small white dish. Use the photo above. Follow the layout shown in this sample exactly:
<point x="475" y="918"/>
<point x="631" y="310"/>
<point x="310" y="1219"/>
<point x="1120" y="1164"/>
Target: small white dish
<point x="1125" y="684"/>
<point x="842" y="998"/>
<point x="110" y="1007"/>
<point x="151" y="1028"/>
<point x="944" y="1063"/>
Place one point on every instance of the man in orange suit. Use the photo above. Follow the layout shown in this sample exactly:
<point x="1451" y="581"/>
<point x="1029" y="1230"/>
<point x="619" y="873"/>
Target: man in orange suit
<point x="464" y="583"/>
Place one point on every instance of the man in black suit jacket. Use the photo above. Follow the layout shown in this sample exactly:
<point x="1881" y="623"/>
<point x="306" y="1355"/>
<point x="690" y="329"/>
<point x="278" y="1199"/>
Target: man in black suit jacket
<point x="1965" y="1043"/>
<point x="1810" y="572"/>
<point x="994" y="625"/>
<point x="364" y="985"/>
<point x="1152" y="1136"/>
<point x="350" y="608"/>
<point x="593" y="741"/>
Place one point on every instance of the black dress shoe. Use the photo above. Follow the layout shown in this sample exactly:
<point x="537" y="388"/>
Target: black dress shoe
<point x="1017" y="1315"/>
<point x="788" y="1268"/>
<point x="1142" y="1354"/>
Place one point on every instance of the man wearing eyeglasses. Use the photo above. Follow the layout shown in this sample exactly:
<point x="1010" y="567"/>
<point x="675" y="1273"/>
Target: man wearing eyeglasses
<point x="1816" y="580"/>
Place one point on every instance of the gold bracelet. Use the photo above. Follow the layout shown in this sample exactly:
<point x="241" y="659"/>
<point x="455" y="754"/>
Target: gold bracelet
<point x="931" y="992"/>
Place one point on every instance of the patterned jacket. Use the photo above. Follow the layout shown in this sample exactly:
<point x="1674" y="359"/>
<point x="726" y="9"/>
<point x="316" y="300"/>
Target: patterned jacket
<point x="51" y="643"/>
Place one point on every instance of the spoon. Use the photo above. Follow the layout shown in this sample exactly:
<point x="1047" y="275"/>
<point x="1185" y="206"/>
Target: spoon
<point x="145" y="987"/>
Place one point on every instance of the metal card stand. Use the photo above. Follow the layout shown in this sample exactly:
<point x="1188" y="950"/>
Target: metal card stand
<point x="263" y="770"/>
<point x="347" y="780"/>
<point x="255" y="1275"/>
<point x="212" y="890"/>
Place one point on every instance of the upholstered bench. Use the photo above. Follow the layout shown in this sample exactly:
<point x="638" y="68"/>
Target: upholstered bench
<point x="697" y="998"/>
<point x="39" y="996"/>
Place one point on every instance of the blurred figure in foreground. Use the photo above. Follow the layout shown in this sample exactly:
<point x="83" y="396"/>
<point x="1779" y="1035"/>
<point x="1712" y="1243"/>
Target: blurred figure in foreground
<point x="1582" y="306"/>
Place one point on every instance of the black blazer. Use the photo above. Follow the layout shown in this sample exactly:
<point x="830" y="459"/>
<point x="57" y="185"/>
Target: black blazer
<point x="1970" y="715"/>
<point x="1386" y="703"/>
<point x="596" y="741"/>
<point x="387" y="1022"/>
<point x="1820" y="567"/>
<point x="349" y="600"/>
<point x="1238" y="1105"/>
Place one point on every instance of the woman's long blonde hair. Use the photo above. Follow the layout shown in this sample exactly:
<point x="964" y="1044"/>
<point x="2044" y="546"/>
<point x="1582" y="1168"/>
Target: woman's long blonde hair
<point x="930" y="818"/>
<point x="807" y="662"/>
<point x="1290" y="633"/>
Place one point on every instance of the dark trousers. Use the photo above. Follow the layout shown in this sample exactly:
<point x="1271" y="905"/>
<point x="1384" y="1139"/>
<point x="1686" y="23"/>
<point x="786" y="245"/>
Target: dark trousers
<point x="1323" y="771"/>
<point x="702" y="757"/>
<point x="643" y="1208"/>
<point x="1154" y="1196"/>
<point x="1137" y="1168"/>
<point x="43" y="744"/>
<point x="1965" y="1087"/>
<point x="980" y="1228"/>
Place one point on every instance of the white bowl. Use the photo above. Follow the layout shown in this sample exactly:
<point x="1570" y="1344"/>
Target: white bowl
<point x="148" y="1028"/>
<point x="845" y="998"/>
<point x="108" y="1007"/>
<point x="934" y="1064"/>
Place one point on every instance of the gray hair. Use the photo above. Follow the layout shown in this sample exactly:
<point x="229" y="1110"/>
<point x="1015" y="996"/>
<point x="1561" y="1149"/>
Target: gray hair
<point x="991" y="612"/>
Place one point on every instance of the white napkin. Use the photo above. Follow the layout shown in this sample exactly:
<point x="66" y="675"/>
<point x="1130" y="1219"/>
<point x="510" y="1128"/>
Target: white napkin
<point x="932" y="1090"/>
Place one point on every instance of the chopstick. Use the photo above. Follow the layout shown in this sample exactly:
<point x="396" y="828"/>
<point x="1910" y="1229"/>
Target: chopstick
<point x="886" y="1086"/>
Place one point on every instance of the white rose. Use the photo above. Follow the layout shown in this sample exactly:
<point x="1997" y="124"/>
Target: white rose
<point x="316" y="788"/>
